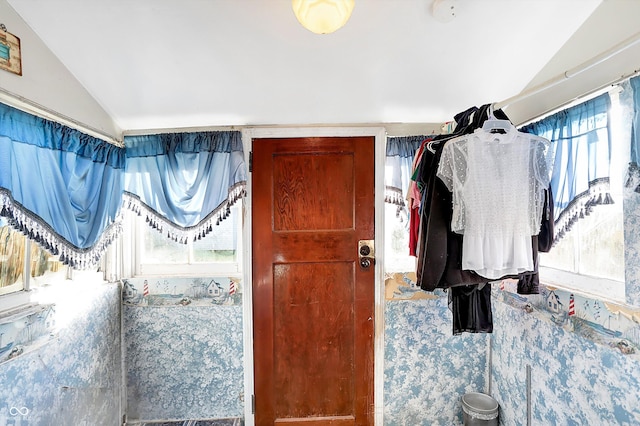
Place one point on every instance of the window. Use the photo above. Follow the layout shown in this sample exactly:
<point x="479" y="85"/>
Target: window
<point x="219" y="252"/>
<point x="590" y="257"/>
<point x="17" y="255"/>
<point x="396" y="251"/>
<point x="12" y="259"/>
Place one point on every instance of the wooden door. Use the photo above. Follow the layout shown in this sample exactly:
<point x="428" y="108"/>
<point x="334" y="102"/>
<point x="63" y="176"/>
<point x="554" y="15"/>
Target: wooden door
<point x="313" y="304"/>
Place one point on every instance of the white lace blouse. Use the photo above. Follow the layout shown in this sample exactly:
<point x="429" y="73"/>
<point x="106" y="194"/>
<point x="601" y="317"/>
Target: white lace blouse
<point x="497" y="182"/>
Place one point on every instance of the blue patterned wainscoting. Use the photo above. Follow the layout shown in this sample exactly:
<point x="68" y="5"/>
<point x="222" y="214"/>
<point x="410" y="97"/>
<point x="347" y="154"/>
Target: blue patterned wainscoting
<point x="585" y="365"/>
<point x="631" y="207"/>
<point x="427" y="369"/>
<point x="74" y="377"/>
<point x="184" y="354"/>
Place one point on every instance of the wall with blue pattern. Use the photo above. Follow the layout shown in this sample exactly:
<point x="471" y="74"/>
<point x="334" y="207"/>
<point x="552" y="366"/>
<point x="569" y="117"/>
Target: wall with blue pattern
<point x="71" y="375"/>
<point x="581" y="373"/>
<point x="583" y="355"/>
<point x="184" y="354"/>
<point x="426" y="368"/>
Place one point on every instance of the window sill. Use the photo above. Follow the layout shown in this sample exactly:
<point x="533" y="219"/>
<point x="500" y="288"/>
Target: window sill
<point x="14" y="300"/>
<point x="20" y="311"/>
<point x="592" y="287"/>
<point x="186" y="270"/>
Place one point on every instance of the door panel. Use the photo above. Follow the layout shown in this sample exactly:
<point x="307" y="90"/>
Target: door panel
<point x="313" y="200"/>
<point x="304" y="202"/>
<point x="313" y="321"/>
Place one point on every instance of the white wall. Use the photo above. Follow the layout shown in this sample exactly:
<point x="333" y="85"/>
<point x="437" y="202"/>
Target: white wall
<point x="614" y="23"/>
<point x="47" y="82"/>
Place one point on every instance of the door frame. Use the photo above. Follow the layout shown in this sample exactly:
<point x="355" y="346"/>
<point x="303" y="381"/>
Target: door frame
<point x="379" y="134"/>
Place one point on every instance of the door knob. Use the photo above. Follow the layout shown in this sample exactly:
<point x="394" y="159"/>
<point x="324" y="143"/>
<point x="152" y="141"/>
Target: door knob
<point x="366" y="253"/>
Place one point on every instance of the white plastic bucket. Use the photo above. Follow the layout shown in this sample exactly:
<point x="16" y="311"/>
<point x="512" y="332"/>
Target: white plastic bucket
<point x="479" y="409"/>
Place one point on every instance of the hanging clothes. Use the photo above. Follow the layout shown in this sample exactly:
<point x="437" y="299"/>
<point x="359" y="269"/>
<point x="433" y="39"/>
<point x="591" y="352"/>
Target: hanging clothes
<point x="498" y="182"/>
<point x="439" y="249"/>
<point x="470" y="306"/>
<point x="414" y="199"/>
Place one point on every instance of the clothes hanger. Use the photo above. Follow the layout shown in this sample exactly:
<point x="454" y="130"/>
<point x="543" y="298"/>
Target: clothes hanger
<point x="493" y="124"/>
<point x="461" y="122"/>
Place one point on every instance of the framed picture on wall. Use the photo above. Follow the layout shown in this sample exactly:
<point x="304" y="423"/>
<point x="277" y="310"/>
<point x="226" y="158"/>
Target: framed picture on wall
<point x="10" y="59"/>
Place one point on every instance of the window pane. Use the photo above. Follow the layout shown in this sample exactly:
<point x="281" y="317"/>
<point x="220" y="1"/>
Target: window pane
<point x="396" y="251"/>
<point x="159" y="249"/>
<point x="595" y="244"/>
<point x="601" y="243"/>
<point x="12" y="250"/>
<point x="45" y="268"/>
<point x="562" y="255"/>
<point x="220" y="245"/>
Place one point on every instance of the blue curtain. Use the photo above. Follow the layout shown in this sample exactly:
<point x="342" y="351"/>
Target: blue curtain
<point x="634" y="160"/>
<point x="184" y="183"/>
<point x="60" y="187"/>
<point x="581" y="147"/>
<point x="398" y="167"/>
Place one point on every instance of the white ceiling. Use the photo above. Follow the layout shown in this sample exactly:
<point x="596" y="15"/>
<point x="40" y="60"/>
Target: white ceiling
<point x="159" y="64"/>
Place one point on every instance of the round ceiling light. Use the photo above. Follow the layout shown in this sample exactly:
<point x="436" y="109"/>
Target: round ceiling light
<point x="323" y="16"/>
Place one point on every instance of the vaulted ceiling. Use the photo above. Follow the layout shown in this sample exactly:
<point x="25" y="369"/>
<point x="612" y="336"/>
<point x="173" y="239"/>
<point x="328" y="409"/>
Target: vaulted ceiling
<point x="159" y="64"/>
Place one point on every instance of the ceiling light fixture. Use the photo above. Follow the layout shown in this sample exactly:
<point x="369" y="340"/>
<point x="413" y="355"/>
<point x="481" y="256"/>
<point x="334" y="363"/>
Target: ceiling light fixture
<point x="323" y="16"/>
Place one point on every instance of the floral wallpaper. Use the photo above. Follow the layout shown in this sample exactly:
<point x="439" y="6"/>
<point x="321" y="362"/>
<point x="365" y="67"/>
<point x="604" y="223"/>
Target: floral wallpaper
<point x="584" y="367"/>
<point x="426" y="368"/>
<point x="583" y="356"/>
<point x="632" y="244"/>
<point x="71" y="376"/>
<point x="184" y="354"/>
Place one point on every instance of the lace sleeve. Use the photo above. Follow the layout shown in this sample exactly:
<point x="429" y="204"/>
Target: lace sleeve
<point x="445" y="167"/>
<point x="543" y="161"/>
<point x="452" y="169"/>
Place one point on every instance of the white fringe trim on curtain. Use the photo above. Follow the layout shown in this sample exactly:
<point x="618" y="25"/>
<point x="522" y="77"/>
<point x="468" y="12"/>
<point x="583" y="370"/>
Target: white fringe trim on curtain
<point x="597" y="194"/>
<point x="181" y="234"/>
<point x="35" y="229"/>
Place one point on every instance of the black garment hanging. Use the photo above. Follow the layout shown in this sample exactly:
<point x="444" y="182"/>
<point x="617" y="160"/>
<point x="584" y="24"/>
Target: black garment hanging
<point x="470" y="306"/>
<point x="439" y="250"/>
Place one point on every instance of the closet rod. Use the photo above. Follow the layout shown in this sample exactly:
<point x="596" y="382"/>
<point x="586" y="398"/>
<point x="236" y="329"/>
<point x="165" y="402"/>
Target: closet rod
<point x="31" y="107"/>
<point x="618" y="48"/>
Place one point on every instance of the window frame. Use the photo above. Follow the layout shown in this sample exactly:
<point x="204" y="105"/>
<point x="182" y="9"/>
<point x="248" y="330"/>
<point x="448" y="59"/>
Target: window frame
<point x="134" y="225"/>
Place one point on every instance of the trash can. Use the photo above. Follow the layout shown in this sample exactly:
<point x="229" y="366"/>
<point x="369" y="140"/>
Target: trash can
<point x="479" y="409"/>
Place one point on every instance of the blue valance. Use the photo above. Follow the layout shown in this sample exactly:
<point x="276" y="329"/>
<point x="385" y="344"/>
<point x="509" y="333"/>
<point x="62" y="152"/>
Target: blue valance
<point x="64" y="189"/>
<point x="60" y="187"/>
<point x="581" y="147"/>
<point x="184" y="183"/>
<point x="398" y="167"/>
